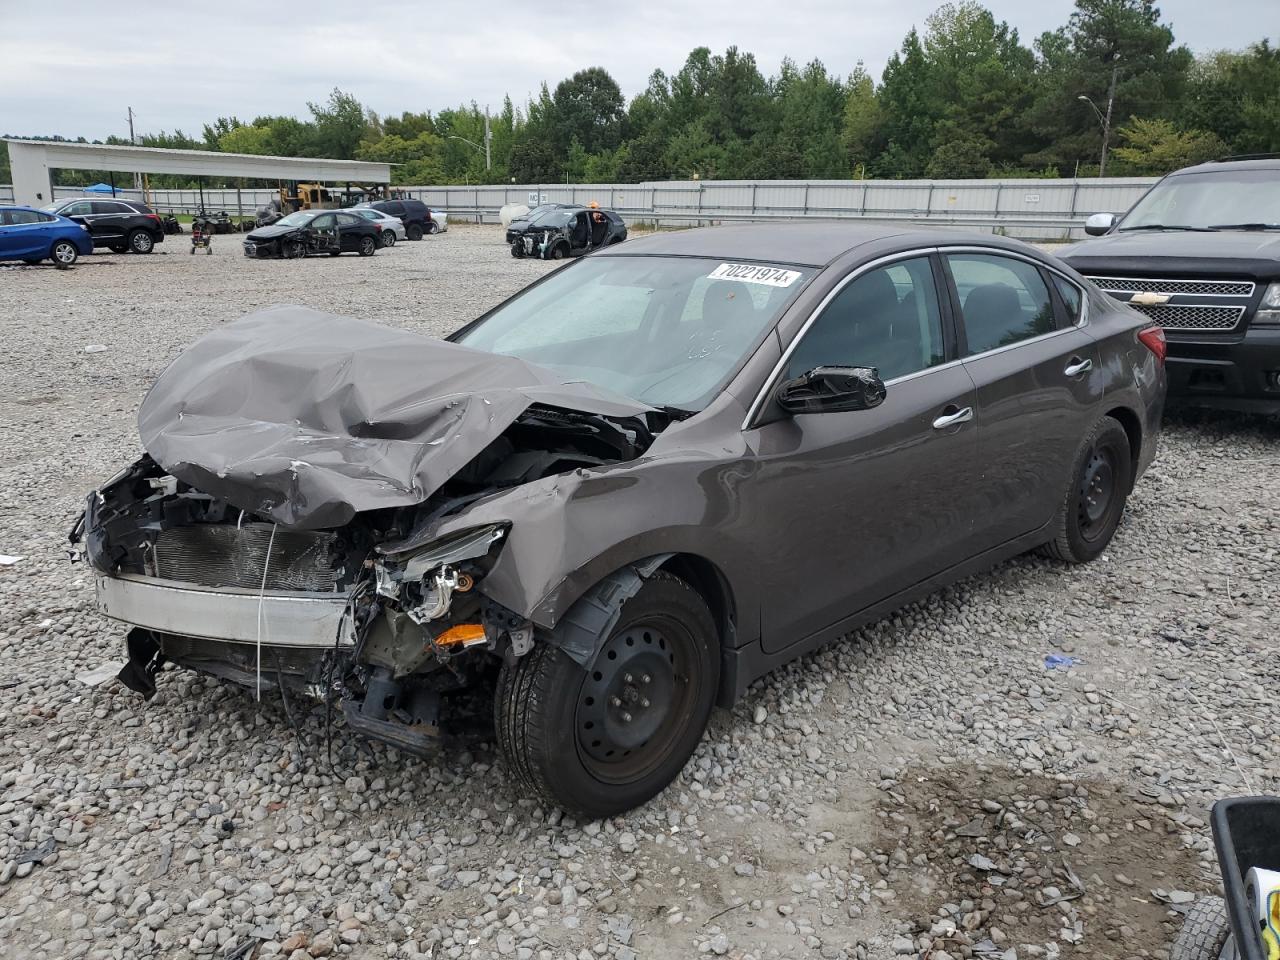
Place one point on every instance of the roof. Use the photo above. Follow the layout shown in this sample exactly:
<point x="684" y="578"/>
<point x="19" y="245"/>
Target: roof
<point x="803" y="243"/>
<point x="1223" y="166"/>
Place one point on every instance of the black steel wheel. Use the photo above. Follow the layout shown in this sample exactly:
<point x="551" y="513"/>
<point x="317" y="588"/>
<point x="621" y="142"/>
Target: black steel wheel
<point x="140" y="241"/>
<point x="368" y="246"/>
<point x="603" y="740"/>
<point x="1102" y="476"/>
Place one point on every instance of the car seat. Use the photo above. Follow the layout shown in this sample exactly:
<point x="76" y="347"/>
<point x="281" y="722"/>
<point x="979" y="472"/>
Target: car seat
<point x="854" y="329"/>
<point x="991" y="313"/>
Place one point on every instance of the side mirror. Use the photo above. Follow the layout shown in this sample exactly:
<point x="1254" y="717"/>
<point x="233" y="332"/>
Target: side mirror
<point x="1099" y="223"/>
<point x="832" y="390"/>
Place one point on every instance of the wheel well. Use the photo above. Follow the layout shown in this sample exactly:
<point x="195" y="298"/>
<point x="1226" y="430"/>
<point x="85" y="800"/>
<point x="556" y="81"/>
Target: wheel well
<point x="1133" y="430"/>
<point x="705" y="577"/>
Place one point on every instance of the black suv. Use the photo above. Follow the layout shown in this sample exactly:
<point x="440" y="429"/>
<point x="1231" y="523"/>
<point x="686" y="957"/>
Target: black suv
<point x="118" y="224"/>
<point x="412" y="213"/>
<point x="1200" y="255"/>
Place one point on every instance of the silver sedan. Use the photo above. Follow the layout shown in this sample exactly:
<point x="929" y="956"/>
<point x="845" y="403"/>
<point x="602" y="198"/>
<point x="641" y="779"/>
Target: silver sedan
<point x="392" y="227"/>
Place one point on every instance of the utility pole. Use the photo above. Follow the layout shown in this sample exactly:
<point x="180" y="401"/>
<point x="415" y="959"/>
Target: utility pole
<point x="1106" y="124"/>
<point x="137" y="178"/>
<point x="488" y="158"/>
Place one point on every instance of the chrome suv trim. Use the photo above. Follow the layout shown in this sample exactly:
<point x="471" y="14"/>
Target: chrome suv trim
<point x="1173" y="288"/>
<point x="276" y="618"/>
<point x="1190" y="304"/>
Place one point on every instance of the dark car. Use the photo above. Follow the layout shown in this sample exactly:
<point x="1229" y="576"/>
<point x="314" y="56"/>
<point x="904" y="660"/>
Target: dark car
<point x="568" y="232"/>
<point x="627" y="492"/>
<point x="414" y="214"/>
<point x="518" y="226"/>
<point x="309" y="232"/>
<point x="34" y="235"/>
<point x="119" y="225"/>
<point x="1200" y="255"/>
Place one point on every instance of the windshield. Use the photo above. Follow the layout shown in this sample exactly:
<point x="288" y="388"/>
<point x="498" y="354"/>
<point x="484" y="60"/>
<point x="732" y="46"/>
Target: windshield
<point x="551" y="218"/>
<point x="299" y="219"/>
<point x="667" y="331"/>
<point x="1204" y="200"/>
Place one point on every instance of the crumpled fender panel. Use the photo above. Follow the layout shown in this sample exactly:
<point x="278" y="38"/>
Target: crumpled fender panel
<point x="310" y="418"/>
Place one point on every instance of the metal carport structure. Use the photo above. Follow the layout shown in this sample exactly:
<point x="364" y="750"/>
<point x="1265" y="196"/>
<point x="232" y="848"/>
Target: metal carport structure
<point x="31" y="161"/>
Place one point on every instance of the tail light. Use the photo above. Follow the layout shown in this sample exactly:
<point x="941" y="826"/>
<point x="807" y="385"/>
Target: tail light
<point x="153" y="216"/>
<point x="1153" y="339"/>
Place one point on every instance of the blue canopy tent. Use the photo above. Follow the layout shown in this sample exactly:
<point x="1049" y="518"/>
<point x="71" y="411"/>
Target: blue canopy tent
<point x="101" y="188"/>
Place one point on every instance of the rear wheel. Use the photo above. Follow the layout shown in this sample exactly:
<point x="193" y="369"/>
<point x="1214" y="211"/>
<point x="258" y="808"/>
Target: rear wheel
<point x="433" y="227"/>
<point x="603" y="740"/>
<point x="140" y="241"/>
<point x="64" y="254"/>
<point x="1101" y="476"/>
<point x="388" y="238"/>
<point x="1205" y="933"/>
<point x="368" y="246"/>
<point x="413" y="231"/>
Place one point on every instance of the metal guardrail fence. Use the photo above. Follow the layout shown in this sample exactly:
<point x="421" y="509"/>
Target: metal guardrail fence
<point x="1031" y="209"/>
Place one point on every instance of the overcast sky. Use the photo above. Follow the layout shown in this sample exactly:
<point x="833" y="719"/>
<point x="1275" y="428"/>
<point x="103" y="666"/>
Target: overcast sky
<point x="72" y="68"/>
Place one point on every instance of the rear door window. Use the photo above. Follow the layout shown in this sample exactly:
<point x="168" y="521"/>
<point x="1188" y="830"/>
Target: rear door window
<point x="18" y="217"/>
<point x="1003" y="301"/>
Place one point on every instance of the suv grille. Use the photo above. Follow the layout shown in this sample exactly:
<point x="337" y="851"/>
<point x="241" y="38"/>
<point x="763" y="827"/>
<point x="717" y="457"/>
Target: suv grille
<point x="1214" y="288"/>
<point x="1188" y="317"/>
<point x="222" y="555"/>
<point x="1228" y="300"/>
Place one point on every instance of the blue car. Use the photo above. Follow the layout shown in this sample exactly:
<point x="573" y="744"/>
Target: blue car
<point x="33" y="235"/>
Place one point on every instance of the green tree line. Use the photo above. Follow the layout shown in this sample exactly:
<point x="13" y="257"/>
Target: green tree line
<point x="962" y="97"/>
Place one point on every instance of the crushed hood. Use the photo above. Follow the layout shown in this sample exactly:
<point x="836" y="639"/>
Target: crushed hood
<point x="310" y="418"/>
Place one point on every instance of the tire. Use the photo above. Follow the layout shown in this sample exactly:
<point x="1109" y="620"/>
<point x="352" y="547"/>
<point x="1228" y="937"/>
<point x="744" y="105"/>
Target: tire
<point x="64" y="254"/>
<point x="566" y="738"/>
<point x="388" y="238"/>
<point x="433" y="228"/>
<point x="368" y="246"/>
<point x="516" y="250"/>
<point x="140" y="241"/>
<point x="1204" y="932"/>
<point x="119" y="248"/>
<point x="557" y="252"/>
<point x="293" y="250"/>
<point x="413" y="231"/>
<point x="1101" y="477"/>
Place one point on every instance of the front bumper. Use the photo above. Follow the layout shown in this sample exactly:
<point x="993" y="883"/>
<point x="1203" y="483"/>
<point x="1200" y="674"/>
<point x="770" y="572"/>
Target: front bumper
<point x="274" y="618"/>
<point x="1243" y="374"/>
<point x="261" y="251"/>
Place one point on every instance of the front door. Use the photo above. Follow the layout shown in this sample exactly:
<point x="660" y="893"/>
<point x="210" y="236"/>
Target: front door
<point x="324" y="232"/>
<point x="854" y="507"/>
<point x="1039" y="383"/>
<point x="82" y="212"/>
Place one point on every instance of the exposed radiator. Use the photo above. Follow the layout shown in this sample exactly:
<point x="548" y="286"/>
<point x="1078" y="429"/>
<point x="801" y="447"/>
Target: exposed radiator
<point x="223" y="555"/>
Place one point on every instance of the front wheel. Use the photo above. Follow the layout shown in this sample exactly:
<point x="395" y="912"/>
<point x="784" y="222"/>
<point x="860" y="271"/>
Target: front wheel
<point x="517" y="250"/>
<point x="1101" y="477"/>
<point x="602" y="740"/>
<point x="64" y="254"/>
<point x="1205" y="932"/>
<point x="141" y="242"/>
<point x="557" y="252"/>
<point x="368" y="246"/>
<point x="414" y="231"/>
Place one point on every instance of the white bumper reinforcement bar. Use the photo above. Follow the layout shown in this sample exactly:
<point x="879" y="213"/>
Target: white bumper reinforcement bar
<point x="167" y="606"/>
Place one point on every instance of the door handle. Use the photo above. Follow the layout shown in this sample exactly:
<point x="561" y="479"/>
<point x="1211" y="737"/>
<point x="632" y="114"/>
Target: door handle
<point x="962" y="415"/>
<point x="1077" y="367"/>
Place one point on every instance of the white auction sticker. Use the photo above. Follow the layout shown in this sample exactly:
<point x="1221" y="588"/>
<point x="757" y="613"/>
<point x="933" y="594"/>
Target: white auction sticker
<point x="754" y="273"/>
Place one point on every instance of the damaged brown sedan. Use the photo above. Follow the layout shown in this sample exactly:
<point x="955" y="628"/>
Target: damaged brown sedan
<point x="624" y="494"/>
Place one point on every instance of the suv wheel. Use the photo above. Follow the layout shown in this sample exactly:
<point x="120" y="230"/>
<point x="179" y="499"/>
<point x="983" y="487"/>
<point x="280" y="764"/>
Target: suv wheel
<point x="414" y="231"/>
<point x="433" y="228"/>
<point x="140" y="241"/>
<point x="1101" y="476"/>
<point x="64" y="254"/>
<point x="603" y="740"/>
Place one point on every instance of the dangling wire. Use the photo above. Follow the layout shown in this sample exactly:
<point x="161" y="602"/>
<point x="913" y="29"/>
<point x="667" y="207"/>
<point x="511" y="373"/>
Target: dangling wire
<point x="266" y="565"/>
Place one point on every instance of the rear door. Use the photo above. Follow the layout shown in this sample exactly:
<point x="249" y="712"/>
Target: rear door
<point x="853" y="507"/>
<point x="24" y="234"/>
<point x="350" y="229"/>
<point x="1039" y="387"/>
<point x="110" y="219"/>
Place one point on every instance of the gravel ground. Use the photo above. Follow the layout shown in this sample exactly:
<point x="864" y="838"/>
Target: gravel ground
<point x="926" y="787"/>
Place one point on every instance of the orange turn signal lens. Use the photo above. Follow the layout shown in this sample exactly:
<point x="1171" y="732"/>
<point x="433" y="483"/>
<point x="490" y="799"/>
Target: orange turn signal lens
<point x="463" y="633"/>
